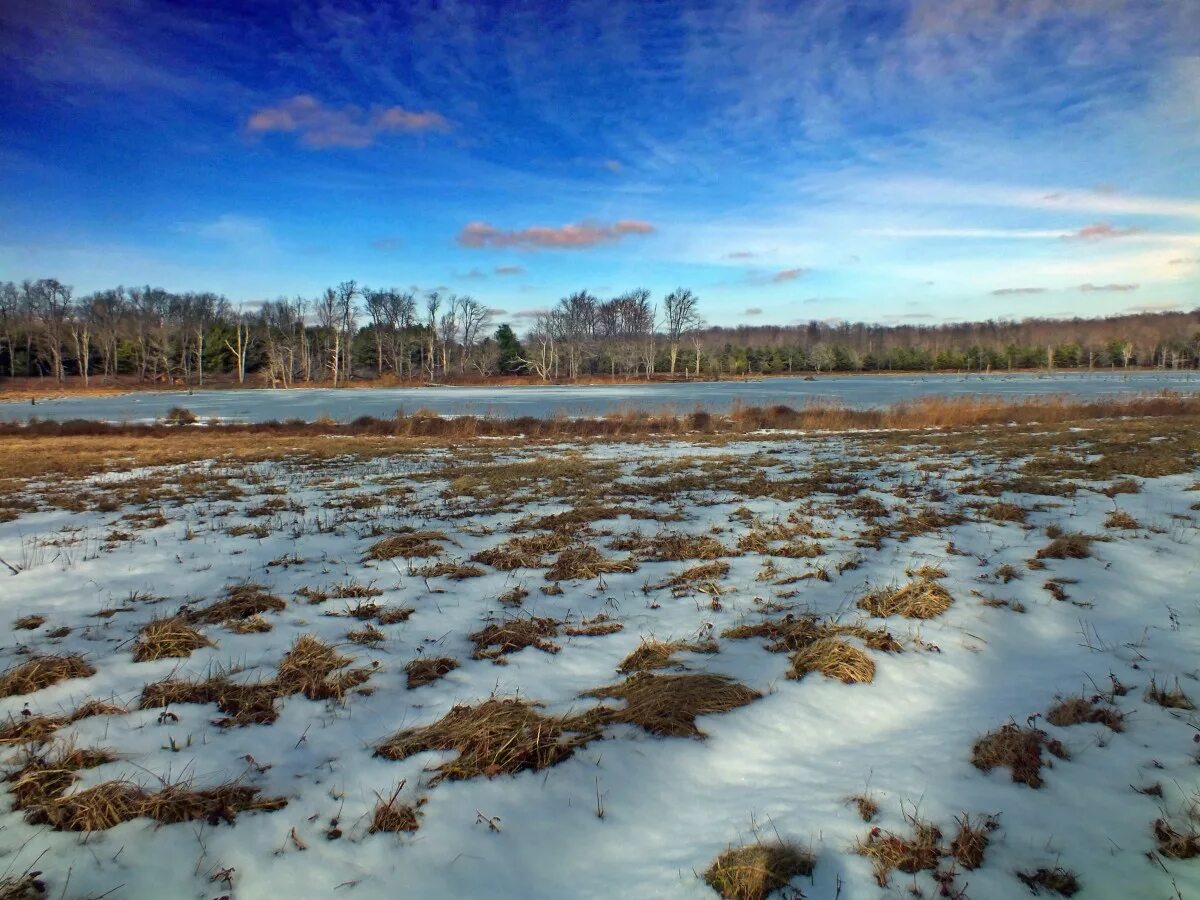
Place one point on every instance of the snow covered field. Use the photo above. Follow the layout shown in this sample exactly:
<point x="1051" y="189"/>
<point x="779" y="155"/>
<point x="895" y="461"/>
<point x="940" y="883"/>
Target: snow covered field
<point x="956" y="590"/>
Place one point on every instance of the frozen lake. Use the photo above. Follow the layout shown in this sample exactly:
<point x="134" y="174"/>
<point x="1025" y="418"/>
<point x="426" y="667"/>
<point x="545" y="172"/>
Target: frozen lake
<point x="345" y="404"/>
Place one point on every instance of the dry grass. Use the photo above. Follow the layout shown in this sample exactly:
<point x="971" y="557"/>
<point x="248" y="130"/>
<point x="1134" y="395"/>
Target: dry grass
<point x="922" y="598"/>
<point x="525" y="551"/>
<point x="370" y="635"/>
<point x="391" y="815"/>
<point x="34" y="729"/>
<point x="254" y="625"/>
<point x="29" y="623"/>
<point x="889" y="851"/>
<point x="28" y="886"/>
<point x="1006" y="512"/>
<point x="501" y="638"/>
<point x="167" y="638"/>
<point x="791" y="633"/>
<point x="42" y="672"/>
<point x="833" y="658"/>
<point x="1017" y="749"/>
<point x="754" y="871"/>
<point x="1121" y="520"/>
<point x="585" y="562"/>
<point x="971" y="840"/>
<point x="656" y="654"/>
<point x="1058" y="880"/>
<point x="673" y="546"/>
<point x="1175" y="844"/>
<point x="241" y="601"/>
<point x="428" y="669"/>
<point x="1171" y="698"/>
<point x="1124" y="486"/>
<point x="597" y="626"/>
<point x="408" y="544"/>
<point x="1080" y="710"/>
<point x="669" y="704"/>
<point x="866" y="805"/>
<point x="497" y="737"/>
<point x="1068" y="546"/>
<point x="308" y="668"/>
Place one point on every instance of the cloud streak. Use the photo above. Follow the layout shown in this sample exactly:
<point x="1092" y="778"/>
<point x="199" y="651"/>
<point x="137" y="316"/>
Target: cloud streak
<point x="1012" y="291"/>
<point x="319" y="126"/>
<point x="1116" y="288"/>
<point x="541" y="237"/>
<point x="785" y="275"/>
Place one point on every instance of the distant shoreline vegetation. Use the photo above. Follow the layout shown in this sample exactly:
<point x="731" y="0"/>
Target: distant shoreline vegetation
<point x="351" y="334"/>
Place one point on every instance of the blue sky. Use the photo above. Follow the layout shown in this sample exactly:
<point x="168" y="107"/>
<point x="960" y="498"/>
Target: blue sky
<point x="887" y="160"/>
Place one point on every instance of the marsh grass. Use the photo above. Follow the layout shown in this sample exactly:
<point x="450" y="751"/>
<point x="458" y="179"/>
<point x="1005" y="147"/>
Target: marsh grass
<point x="922" y="598"/>
<point x="668" y="705"/>
<point x="756" y="870"/>
<point x="1017" y="749"/>
<point x="168" y="638"/>
<point x="41" y="672"/>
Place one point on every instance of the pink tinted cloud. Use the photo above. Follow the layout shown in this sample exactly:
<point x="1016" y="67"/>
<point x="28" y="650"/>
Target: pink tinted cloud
<point x="565" y="237"/>
<point x="785" y="275"/>
<point x="320" y="126"/>
<point x="1099" y="231"/>
<point x="1008" y="291"/>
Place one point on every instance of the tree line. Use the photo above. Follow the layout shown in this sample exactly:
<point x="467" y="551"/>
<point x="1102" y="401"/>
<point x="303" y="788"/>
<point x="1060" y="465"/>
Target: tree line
<point x="354" y="332"/>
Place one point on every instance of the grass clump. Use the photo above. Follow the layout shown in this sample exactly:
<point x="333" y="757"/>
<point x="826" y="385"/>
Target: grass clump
<point x="971" y="840"/>
<point x="833" y="658"/>
<point x="922" y="598"/>
<point x="391" y="815"/>
<point x="585" y="562"/>
<point x="1175" y="844"/>
<point x="669" y="704"/>
<point x="428" y="669"/>
<point x="501" y="638"/>
<point x="1080" y="711"/>
<point x="167" y="638"/>
<point x="673" y="546"/>
<point x="656" y="654"/>
<point x="408" y="544"/>
<point x="1173" y="698"/>
<point x="29" y="623"/>
<point x="889" y="851"/>
<point x="598" y="625"/>
<point x="526" y="551"/>
<point x="1006" y="512"/>
<point x="754" y="871"/>
<point x="501" y="736"/>
<point x="41" y="672"/>
<point x="308" y="668"/>
<point x="1119" y="519"/>
<point x="1058" y="880"/>
<point x="1017" y="749"/>
<point x="1068" y="546"/>
<point x="241" y="601"/>
<point x="866" y="805"/>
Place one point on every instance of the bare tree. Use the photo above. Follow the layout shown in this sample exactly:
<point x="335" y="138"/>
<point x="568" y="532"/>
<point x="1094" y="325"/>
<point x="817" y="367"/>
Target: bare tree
<point x="680" y="317"/>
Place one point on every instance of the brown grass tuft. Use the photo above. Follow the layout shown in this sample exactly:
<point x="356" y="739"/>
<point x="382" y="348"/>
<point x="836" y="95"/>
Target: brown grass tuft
<point x="1006" y="512"/>
<point x="867" y="808"/>
<point x="833" y="658"/>
<point x="241" y="601"/>
<point x="1079" y="711"/>
<point x="308" y="666"/>
<point x="42" y="672"/>
<point x="167" y="638"/>
<point x="889" y="851"/>
<point x="497" y="737"/>
<point x="1017" y="749"/>
<point x="669" y="704"/>
<point x="501" y="638"/>
<point x="585" y="562"/>
<point x="29" y="623"/>
<point x="1173" y="698"/>
<point x="391" y="815"/>
<point x="253" y="625"/>
<point x="428" y="669"/>
<point x="596" y="626"/>
<point x="656" y="654"/>
<point x="672" y="546"/>
<point x="1175" y="844"/>
<point x="1122" y="520"/>
<point x="754" y="871"/>
<point x="408" y="544"/>
<point x="922" y="598"/>
<point x="524" y="551"/>
<point x="1068" y="546"/>
<point x="971" y="840"/>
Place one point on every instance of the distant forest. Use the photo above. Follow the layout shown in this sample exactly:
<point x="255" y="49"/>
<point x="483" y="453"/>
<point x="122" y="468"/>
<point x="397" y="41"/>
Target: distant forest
<point x="351" y="332"/>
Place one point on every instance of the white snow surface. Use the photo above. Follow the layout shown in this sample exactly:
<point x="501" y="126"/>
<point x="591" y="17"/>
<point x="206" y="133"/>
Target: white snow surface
<point x="784" y="764"/>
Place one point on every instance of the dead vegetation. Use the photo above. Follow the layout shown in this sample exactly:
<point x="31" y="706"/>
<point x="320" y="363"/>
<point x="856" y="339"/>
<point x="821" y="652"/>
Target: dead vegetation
<point x="922" y="598"/>
<point x="241" y="601"/>
<point x="756" y="870"/>
<point x="796" y="632"/>
<point x="585" y="562"/>
<point x="41" y="672"/>
<point x="1119" y="519"/>
<point x="597" y="626"/>
<point x="1017" y="749"/>
<point x="833" y="658"/>
<point x="512" y="635"/>
<point x="497" y="737"/>
<point x="1080" y="710"/>
<point x="1170" y="698"/>
<point x="674" y="546"/>
<point x="656" y="654"/>
<point x="889" y="851"/>
<point x="408" y="544"/>
<point x="428" y="669"/>
<point x="669" y="704"/>
<point x="1175" y="844"/>
<point x="390" y="815"/>
<point x="971" y="839"/>
<point x="34" y="729"/>
<point x="29" y="623"/>
<point x="1068" y="546"/>
<point x="525" y="551"/>
<point x="168" y="638"/>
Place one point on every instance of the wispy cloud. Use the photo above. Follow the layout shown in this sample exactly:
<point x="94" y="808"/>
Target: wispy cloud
<point x="1184" y="261"/>
<point x="387" y="244"/>
<point x="320" y="126"/>
<point x="741" y="254"/>
<point x="785" y="275"/>
<point x="753" y="311"/>
<point x="509" y="270"/>
<point x="230" y="228"/>
<point x="1108" y="287"/>
<point x="564" y="237"/>
<point x="1010" y="291"/>
<point x="1103" y="231"/>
